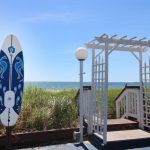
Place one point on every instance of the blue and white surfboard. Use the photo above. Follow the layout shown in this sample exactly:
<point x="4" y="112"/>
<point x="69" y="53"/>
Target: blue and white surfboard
<point x="11" y="80"/>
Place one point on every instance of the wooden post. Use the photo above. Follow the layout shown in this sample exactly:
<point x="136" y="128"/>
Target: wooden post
<point x="105" y="94"/>
<point x="141" y="123"/>
<point x="92" y="101"/>
<point x="8" y="138"/>
<point x="127" y="104"/>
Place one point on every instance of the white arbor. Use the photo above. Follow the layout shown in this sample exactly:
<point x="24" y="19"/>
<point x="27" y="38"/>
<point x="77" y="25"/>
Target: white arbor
<point x="102" y="47"/>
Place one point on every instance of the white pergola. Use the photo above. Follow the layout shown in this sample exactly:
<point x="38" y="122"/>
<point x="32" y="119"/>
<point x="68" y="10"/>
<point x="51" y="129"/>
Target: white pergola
<point x="105" y="45"/>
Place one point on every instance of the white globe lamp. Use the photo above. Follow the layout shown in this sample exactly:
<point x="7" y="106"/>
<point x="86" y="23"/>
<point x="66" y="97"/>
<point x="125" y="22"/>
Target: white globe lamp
<point x="81" y="53"/>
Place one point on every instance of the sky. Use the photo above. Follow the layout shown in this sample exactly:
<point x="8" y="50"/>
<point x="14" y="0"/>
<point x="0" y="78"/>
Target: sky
<point x="50" y="31"/>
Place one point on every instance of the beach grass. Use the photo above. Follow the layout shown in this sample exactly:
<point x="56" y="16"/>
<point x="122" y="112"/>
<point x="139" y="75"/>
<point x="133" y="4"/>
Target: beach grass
<point x="44" y="109"/>
<point x="112" y="94"/>
<point x="52" y="109"/>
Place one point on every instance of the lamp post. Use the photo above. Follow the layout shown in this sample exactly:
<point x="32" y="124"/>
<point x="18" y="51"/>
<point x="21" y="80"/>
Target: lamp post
<point x="81" y="54"/>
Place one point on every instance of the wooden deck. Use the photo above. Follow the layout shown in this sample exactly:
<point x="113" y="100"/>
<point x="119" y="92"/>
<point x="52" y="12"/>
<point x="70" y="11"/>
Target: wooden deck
<point x="114" y="136"/>
<point x="121" y="124"/>
<point x="122" y="134"/>
<point x="120" y="121"/>
<point x="127" y="135"/>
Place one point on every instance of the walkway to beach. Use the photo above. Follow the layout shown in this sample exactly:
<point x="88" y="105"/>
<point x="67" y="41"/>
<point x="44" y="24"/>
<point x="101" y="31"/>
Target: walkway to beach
<point x="73" y="146"/>
<point x="68" y="146"/>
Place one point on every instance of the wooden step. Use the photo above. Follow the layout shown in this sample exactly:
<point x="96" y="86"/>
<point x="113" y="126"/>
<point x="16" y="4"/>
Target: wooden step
<point x="121" y="124"/>
<point x="123" y="139"/>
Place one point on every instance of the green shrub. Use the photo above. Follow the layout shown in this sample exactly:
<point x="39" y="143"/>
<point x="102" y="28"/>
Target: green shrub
<point x="112" y="93"/>
<point x="44" y="109"/>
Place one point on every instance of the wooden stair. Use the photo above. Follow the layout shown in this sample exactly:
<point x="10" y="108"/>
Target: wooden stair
<point x="120" y="140"/>
<point x="122" y="134"/>
<point x="121" y="124"/>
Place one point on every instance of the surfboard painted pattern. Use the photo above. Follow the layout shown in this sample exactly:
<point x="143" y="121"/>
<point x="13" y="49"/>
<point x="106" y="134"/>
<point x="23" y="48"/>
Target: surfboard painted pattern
<point x="17" y="80"/>
<point x="4" y="78"/>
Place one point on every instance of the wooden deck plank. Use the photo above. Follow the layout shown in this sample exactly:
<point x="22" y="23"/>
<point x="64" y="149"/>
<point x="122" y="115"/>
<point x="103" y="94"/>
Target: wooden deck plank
<point x="121" y="124"/>
<point x="120" y="121"/>
<point x="127" y="135"/>
<point x="122" y="134"/>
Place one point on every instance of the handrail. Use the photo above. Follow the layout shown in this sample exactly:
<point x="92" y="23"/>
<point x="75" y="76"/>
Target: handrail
<point x="87" y="105"/>
<point x="126" y="87"/>
<point x="84" y="88"/>
<point x="127" y="103"/>
<point x="86" y="98"/>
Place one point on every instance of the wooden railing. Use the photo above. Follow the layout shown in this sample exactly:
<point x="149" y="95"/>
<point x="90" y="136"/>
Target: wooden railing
<point x="127" y="103"/>
<point x="87" y="105"/>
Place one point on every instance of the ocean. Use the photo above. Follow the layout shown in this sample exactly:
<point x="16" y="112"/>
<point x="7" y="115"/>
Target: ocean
<point x="73" y="85"/>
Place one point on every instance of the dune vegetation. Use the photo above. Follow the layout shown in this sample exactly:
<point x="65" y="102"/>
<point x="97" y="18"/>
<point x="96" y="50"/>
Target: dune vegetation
<point x="47" y="109"/>
<point x="44" y="109"/>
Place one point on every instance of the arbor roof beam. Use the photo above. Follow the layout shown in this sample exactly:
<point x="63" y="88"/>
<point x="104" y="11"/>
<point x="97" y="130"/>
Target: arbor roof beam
<point x="117" y="48"/>
<point x="124" y="41"/>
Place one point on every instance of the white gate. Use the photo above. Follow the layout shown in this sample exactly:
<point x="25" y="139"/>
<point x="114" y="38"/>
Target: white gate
<point x="99" y="95"/>
<point x="146" y="95"/>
